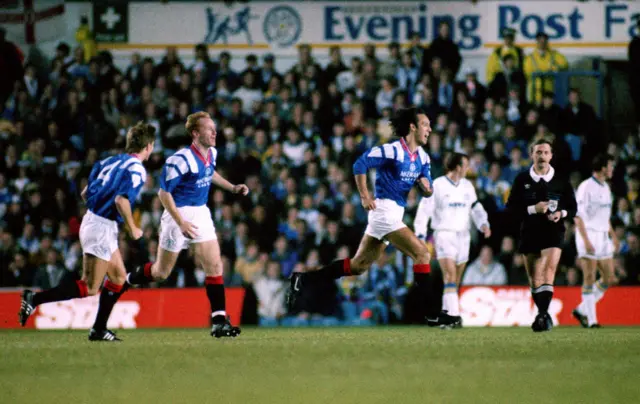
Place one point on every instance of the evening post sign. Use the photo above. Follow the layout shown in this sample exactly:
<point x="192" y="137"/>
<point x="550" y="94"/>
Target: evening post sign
<point x="593" y="27"/>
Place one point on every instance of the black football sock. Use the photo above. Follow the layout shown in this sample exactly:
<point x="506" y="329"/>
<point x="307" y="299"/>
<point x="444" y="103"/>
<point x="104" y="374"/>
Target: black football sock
<point x="337" y="269"/>
<point x="69" y="289"/>
<point x="542" y="296"/>
<point x="215" y="292"/>
<point x="423" y="283"/>
<point x="141" y="276"/>
<point x="108" y="298"/>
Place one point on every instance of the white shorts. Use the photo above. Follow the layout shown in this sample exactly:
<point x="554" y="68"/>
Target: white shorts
<point x="453" y="245"/>
<point x="172" y="239"/>
<point x="98" y="236"/>
<point x="385" y="218"/>
<point x="601" y="243"/>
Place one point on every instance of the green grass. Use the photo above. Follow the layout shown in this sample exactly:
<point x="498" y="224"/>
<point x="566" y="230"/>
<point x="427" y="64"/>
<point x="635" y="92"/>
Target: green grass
<point x="341" y="365"/>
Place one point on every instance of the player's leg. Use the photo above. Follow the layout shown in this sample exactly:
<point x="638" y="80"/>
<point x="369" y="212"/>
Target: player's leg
<point x="450" y="294"/>
<point x="112" y="289"/>
<point x="93" y="271"/>
<point x="368" y="252"/>
<point x="586" y="311"/>
<point x="207" y="257"/>
<point x="157" y="271"/>
<point x="607" y="276"/>
<point x="407" y="242"/>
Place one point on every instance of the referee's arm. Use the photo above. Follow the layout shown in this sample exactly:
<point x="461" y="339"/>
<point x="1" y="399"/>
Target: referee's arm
<point x="569" y="204"/>
<point x="516" y="205"/>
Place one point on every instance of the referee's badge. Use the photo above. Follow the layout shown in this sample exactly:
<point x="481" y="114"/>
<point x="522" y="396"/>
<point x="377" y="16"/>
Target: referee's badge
<point x="553" y="205"/>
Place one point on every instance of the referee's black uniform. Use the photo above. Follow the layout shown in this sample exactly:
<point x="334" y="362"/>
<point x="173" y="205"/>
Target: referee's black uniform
<point x="537" y="232"/>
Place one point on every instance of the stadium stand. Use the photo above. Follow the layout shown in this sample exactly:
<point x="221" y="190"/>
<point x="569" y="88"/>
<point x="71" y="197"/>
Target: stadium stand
<point x="292" y="137"/>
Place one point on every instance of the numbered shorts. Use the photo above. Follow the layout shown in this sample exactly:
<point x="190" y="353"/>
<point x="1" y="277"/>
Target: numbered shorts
<point x="98" y="236"/>
<point x="453" y="245"/>
<point x="601" y="243"/>
<point x="384" y="219"/>
<point x="172" y="239"/>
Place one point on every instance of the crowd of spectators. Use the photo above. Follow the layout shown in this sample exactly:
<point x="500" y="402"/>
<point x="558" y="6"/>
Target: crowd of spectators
<point x="292" y="137"/>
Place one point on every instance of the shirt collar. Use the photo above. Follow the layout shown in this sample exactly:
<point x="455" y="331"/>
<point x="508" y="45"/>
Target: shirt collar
<point x="412" y="156"/>
<point x="547" y="177"/>
<point x="199" y="155"/>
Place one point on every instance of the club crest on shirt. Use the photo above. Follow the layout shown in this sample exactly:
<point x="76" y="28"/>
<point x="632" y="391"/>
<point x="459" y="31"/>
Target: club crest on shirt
<point x="209" y="171"/>
<point x="553" y="205"/>
<point x="412" y="167"/>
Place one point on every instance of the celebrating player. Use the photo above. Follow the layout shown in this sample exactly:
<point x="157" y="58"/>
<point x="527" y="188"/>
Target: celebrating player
<point x="595" y="239"/>
<point x="540" y="201"/>
<point x="184" y="190"/>
<point x="114" y="184"/>
<point x="400" y="165"/>
<point x="453" y="204"/>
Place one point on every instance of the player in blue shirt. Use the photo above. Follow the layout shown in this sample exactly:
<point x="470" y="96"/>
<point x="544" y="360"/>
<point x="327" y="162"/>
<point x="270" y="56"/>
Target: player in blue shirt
<point x="113" y="186"/>
<point x="400" y="166"/>
<point x="184" y="190"/>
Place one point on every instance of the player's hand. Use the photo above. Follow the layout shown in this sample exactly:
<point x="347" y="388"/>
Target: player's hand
<point x="189" y="229"/>
<point x="369" y="203"/>
<point x="486" y="230"/>
<point x="135" y="233"/>
<point x="555" y="217"/>
<point x="541" y="207"/>
<point x="590" y="249"/>
<point x="616" y="245"/>
<point x="240" y="189"/>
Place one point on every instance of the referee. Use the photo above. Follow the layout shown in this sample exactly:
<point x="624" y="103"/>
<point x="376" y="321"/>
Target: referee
<point x="540" y="201"/>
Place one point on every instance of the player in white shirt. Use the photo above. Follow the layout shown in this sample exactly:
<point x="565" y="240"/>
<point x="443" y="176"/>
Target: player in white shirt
<point x="596" y="241"/>
<point x="452" y="207"/>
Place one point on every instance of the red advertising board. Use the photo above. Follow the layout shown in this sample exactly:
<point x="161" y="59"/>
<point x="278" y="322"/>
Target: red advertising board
<point x="189" y="308"/>
<point x="146" y="308"/>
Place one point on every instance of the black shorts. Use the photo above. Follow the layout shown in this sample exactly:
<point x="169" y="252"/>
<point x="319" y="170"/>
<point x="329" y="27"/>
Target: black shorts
<point x="534" y="243"/>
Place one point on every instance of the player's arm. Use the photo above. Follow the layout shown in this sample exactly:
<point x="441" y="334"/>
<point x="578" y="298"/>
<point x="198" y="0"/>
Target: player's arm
<point x="423" y="216"/>
<point x="172" y="173"/>
<point x="582" y="202"/>
<point x="479" y="216"/>
<point x="124" y="208"/>
<point x="373" y="158"/>
<point x="221" y="182"/>
<point x="83" y="194"/>
<point x="614" y="238"/>
<point x="425" y="182"/>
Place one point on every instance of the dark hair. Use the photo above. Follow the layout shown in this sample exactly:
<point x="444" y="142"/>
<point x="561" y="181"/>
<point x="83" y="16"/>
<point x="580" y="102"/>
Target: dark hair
<point x="139" y="137"/>
<point x="601" y="161"/>
<point x="402" y="120"/>
<point x="454" y="161"/>
<point x="540" y="141"/>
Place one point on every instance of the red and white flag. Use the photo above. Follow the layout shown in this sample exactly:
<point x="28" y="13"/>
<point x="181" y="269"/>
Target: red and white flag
<point x="32" y="21"/>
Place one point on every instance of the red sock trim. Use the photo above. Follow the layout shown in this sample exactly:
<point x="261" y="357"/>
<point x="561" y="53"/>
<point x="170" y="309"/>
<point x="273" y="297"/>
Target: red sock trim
<point x="112" y="286"/>
<point x="82" y="288"/>
<point x="214" y="280"/>
<point x="147" y="269"/>
<point x="346" y="266"/>
<point x="421" y="268"/>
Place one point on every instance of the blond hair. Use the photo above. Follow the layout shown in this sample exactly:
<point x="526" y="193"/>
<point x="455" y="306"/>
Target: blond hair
<point x="193" y="121"/>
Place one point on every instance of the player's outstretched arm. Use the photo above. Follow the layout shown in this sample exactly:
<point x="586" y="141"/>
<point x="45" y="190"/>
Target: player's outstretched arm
<point x="124" y="208"/>
<point x="221" y="182"/>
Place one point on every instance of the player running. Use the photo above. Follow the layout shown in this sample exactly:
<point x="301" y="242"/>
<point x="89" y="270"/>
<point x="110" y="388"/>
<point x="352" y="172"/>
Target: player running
<point x="113" y="186"/>
<point x="451" y="208"/>
<point x="596" y="241"/>
<point x="540" y="200"/>
<point x="184" y="190"/>
<point x="400" y="166"/>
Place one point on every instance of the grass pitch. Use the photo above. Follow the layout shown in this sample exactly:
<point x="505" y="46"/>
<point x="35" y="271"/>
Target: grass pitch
<point x="338" y="365"/>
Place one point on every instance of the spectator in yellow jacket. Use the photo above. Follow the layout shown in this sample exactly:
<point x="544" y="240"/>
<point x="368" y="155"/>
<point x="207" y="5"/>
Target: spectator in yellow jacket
<point x="543" y="59"/>
<point x="86" y="39"/>
<point x="495" y="62"/>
